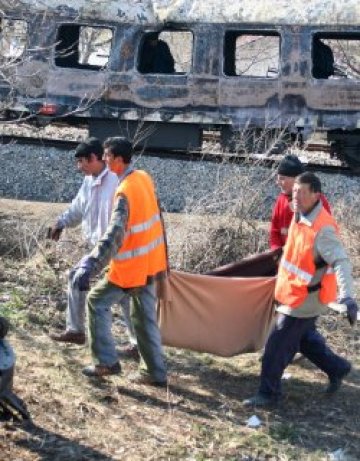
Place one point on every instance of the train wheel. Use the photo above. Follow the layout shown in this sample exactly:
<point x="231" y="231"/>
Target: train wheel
<point x="351" y="157"/>
<point x="346" y="146"/>
<point x="256" y="141"/>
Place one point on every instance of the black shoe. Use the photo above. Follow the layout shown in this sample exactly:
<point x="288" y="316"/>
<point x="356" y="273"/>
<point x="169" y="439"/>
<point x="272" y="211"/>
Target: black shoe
<point x="260" y="400"/>
<point x="102" y="370"/>
<point x="72" y="337"/>
<point x="335" y="382"/>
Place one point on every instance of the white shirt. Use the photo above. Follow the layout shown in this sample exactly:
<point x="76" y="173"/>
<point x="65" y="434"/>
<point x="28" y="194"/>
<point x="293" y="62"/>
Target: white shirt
<point x="92" y="206"/>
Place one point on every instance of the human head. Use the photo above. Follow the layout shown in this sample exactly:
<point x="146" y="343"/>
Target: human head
<point x="289" y="167"/>
<point x="88" y="155"/>
<point x="306" y="192"/>
<point x="117" y="154"/>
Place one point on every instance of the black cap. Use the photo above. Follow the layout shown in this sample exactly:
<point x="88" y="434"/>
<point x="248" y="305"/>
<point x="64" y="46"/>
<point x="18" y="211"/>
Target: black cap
<point x="290" y="166"/>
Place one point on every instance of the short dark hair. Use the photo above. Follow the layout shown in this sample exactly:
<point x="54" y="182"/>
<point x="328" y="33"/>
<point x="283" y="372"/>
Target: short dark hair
<point x="119" y="147"/>
<point x="311" y="179"/>
<point x="88" y="147"/>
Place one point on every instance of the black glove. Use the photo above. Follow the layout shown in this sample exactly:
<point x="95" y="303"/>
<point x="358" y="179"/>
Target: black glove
<point x="4" y="327"/>
<point x="352" y="309"/>
<point x="54" y="233"/>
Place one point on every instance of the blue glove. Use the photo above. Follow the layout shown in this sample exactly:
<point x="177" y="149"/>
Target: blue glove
<point x="81" y="279"/>
<point x="84" y="269"/>
<point x="86" y="262"/>
<point x="352" y="309"/>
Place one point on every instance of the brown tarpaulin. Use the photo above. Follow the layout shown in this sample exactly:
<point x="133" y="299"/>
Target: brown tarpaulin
<point x="220" y="315"/>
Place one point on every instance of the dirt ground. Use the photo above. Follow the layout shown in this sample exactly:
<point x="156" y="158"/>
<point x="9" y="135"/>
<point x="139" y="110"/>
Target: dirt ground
<point x="199" y="416"/>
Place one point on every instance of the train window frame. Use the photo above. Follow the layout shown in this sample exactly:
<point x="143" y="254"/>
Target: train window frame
<point x="79" y="66"/>
<point x="14" y="59"/>
<point x="255" y="32"/>
<point x="332" y="35"/>
<point x="163" y="74"/>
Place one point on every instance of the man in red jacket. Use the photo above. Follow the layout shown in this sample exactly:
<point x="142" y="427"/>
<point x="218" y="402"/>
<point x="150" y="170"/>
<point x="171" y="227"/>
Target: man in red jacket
<point x="289" y="167"/>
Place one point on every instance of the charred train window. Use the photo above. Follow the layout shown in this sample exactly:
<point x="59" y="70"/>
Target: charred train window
<point x="167" y="52"/>
<point x="13" y="36"/>
<point x="251" y="55"/>
<point x="336" y="56"/>
<point x="82" y="47"/>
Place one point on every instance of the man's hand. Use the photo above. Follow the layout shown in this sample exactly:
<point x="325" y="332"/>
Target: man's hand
<point x="4" y="327"/>
<point x="81" y="279"/>
<point x="352" y="309"/>
<point x="84" y="269"/>
<point x="55" y="232"/>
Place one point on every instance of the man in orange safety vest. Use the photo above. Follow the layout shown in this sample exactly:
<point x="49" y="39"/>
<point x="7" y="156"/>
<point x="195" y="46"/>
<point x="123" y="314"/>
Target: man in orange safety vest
<point x="313" y="265"/>
<point x="134" y="244"/>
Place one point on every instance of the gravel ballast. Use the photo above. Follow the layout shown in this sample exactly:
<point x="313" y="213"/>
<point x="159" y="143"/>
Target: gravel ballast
<point x="49" y="174"/>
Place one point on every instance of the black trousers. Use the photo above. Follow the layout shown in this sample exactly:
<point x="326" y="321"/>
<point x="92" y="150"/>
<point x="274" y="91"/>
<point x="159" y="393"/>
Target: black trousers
<point x="292" y="335"/>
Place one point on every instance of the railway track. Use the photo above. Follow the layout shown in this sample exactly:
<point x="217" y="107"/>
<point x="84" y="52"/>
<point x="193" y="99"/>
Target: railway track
<point x="267" y="161"/>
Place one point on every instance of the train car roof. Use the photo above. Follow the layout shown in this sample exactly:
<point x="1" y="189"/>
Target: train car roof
<point x="313" y="12"/>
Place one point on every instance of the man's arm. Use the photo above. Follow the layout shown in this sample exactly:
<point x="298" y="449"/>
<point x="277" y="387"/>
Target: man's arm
<point x="329" y="246"/>
<point x="74" y="214"/>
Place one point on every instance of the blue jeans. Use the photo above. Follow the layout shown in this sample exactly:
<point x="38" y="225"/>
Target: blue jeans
<point x="75" y="312"/>
<point x="143" y="316"/>
<point x="289" y="336"/>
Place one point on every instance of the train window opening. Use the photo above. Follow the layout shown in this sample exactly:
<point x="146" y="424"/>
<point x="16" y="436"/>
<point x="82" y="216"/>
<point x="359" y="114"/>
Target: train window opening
<point x="83" y="47"/>
<point x="251" y="55"/>
<point x="167" y="52"/>
<point x="336" y="56"/>
<point x="13" y="38"/>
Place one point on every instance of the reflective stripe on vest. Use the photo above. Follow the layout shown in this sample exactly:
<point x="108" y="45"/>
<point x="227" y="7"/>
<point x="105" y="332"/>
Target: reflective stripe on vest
<point x="141" y="227"/>
<point x="142" y="254"/>
<point x="303" y="275"/>
<point x="141" y="251"/>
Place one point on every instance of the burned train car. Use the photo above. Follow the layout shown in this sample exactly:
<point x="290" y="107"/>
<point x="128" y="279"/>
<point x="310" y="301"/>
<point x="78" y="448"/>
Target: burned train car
<point x="165" y="71"/>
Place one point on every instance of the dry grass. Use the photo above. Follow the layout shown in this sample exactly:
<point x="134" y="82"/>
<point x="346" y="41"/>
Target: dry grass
<point x="199" y="416"/>
<point x="222" y="226"/>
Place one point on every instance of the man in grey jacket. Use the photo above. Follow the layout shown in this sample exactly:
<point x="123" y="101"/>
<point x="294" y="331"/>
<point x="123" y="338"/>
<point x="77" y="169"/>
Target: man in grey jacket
<point x="91" y="208"/>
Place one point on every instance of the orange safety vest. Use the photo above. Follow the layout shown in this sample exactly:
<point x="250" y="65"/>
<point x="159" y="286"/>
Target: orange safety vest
<point x="142" y="255"/>
<point x="297" y="266"/>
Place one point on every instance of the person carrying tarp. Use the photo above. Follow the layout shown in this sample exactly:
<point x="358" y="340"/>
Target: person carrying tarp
<point x="134" y="244"/>
<point x="283" y="210"/>
<point x="91" y="208"/>
<point x="313" y="264"/>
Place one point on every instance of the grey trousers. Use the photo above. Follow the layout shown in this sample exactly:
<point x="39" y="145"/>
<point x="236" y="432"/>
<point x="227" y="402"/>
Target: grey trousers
<point x="75" y="312"/>
<point x="143" y="316"/>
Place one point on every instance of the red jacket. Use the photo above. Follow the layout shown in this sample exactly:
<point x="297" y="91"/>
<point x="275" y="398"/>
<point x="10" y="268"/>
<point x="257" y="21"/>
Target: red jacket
<point x="281" y="218"/>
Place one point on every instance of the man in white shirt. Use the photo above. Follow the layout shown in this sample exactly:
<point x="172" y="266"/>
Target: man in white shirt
<point x="91" y="208"/>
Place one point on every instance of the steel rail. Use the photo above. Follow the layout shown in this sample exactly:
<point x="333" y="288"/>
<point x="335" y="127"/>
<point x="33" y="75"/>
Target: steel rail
<point x="266" y="161"/>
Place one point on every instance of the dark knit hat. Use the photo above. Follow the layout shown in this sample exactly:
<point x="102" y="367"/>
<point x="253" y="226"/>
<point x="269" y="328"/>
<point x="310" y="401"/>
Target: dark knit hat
<point x="290" y="165"/>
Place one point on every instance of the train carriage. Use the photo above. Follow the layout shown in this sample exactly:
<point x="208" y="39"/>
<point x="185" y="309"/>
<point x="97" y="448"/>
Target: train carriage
<point x="269" y="65"/>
